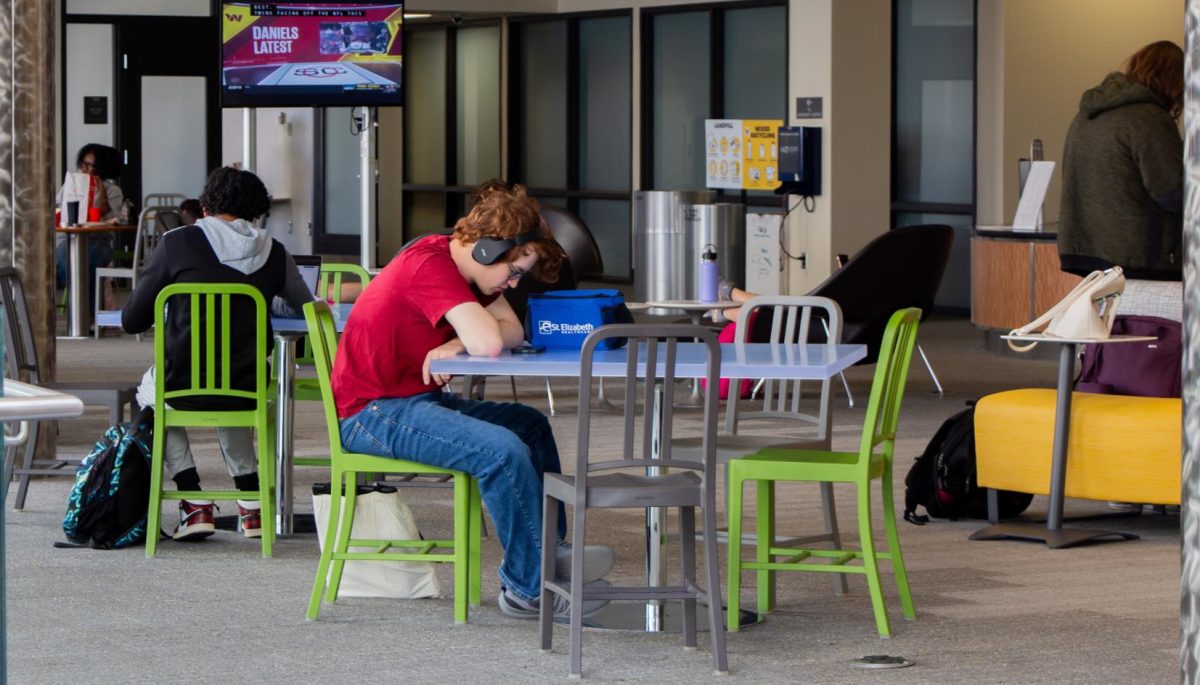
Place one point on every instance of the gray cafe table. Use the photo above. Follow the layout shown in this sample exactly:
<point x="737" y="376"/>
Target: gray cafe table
<point x="749" y="360"/>
<point x="1053" y="534"/>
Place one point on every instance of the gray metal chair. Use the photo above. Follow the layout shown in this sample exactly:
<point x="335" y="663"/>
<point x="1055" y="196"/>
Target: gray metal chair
<point x="609" y="484"/>
<point x="22" y="364"/>
<point x="152" y="223"/>
<point x="782" y="319"/>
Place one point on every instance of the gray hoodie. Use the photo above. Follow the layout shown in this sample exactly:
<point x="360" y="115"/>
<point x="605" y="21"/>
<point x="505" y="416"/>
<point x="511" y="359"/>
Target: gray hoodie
<point x="240" y="245"/>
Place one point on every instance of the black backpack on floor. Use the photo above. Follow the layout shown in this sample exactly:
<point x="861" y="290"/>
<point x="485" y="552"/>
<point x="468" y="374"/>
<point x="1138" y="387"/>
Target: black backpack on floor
<point x="943" y="478"/>
<point x="107" y="506"/>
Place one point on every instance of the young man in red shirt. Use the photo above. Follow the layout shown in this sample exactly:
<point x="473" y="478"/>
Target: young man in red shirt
<point x="439" y="297"/>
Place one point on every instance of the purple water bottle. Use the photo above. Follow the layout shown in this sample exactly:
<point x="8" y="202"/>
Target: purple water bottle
<point x="708" y="273"/>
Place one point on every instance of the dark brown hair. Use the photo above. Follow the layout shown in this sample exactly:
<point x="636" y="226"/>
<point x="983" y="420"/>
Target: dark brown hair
<point x="502" y="211"/>
<point x="1159" y="67"/>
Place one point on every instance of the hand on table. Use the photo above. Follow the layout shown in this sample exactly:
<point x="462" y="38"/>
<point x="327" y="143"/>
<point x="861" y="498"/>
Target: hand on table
<point x="444" y="351"/>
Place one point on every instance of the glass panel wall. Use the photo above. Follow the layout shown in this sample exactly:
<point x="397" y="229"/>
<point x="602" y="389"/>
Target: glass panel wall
<point x="605" y="103"/>
<point x="717" y="63"/>
<point x="571" y="108"/>
<point x="477" y="95"/>
<point x="542" y="138"/>
<point x="425" y="107"/>
<point x="680" y="88"/>
<point x="452" y="119"/>
<point x="933" y="141"/>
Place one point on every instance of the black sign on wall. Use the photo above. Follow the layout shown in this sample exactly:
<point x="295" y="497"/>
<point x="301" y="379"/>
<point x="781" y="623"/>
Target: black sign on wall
<point x="95" y="109"/>
<point x="809" y="108"/>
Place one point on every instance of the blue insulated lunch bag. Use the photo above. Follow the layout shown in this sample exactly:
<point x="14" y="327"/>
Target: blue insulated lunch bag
<point x="563" y="318"/>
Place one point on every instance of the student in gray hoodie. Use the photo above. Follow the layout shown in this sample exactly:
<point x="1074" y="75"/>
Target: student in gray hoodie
<point x="222" y="247"/>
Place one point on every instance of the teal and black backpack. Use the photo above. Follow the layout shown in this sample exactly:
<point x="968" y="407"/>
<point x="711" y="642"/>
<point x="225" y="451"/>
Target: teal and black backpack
<point x="107" y="507"/>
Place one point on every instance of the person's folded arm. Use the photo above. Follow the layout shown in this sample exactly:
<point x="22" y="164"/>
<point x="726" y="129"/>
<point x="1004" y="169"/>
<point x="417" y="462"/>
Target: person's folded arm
<point x="511" y="331"/>
<point x="480" y="332"/>
<point x="295" y="294"/>
<point x="138" y="314"/>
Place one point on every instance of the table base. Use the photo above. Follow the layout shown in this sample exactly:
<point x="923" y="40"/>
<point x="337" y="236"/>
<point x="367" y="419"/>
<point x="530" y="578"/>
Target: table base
<point x="632" y="616"/>
<point x="1054" y="539"/>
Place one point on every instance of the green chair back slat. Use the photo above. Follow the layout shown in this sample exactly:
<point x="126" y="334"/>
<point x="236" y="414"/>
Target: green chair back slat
<point x="872" y="461"/>
<point x="210" y="323"/>
<point x="336" y="272"/>
<point x="465" y="551"/>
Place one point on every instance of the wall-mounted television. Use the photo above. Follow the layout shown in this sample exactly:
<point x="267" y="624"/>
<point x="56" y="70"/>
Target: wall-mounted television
<point x="289" y="53"/>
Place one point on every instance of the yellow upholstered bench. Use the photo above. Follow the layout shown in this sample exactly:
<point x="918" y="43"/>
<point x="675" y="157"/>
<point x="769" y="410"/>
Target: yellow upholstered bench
<point x="1120" y="448"/>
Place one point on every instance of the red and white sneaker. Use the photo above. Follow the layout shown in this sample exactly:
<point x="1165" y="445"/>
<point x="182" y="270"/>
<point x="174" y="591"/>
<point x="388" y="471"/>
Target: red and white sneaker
<point x="250" y="518"/>
<point x="195" y="520"/>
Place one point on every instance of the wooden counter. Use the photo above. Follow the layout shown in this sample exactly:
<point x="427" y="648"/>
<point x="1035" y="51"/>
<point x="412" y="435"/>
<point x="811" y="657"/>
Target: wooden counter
<point x="1015" y="276"/>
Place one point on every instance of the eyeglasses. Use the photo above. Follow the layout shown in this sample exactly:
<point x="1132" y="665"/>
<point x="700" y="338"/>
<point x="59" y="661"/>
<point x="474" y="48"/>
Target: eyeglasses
<point x="515" y="274"/>
<point x="85" y="164"/>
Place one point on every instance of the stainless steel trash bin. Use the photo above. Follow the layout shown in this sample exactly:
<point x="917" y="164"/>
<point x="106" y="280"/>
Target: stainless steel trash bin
<point x="723" y="226"/>
<point x="661" y="254"/>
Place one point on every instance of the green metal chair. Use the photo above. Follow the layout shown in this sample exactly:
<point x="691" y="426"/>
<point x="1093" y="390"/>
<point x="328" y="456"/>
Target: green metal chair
<point x="872" y="461"/>
<point x="210" y="323"/>
<point x="345" y="468"/>
<point x="308" y="389"/>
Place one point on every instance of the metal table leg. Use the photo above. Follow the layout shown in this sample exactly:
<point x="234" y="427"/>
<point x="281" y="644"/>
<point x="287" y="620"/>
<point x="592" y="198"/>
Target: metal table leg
<point x="285" y="345"/>
<point x="77" y="286"/>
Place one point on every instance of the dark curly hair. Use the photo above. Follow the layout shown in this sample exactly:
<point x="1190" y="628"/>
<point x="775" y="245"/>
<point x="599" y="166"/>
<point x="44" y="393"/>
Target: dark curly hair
<point x="107" y="160"/>
<point x="236" y="192"/>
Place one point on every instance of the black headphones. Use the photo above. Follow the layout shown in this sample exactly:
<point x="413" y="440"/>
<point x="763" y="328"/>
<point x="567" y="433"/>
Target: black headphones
<point x="489" y="250"/>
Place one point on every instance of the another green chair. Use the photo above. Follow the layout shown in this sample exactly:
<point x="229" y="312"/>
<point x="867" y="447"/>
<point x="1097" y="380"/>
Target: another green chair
<point x="468" y="507"/>
<point x="210" y="323"/>
<point x="872" y="461"/>
<point x="307" y="389"/>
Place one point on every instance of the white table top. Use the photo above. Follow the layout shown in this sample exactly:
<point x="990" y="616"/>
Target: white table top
<point x="753" y="360"/>
<point x="1040" y="337"/>
<point x="25" y="402"/>
<point x="692" y="305"/>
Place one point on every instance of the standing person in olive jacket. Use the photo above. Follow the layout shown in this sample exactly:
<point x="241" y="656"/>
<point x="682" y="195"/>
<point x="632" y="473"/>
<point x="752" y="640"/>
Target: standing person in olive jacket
<point x="1122" y="191"/>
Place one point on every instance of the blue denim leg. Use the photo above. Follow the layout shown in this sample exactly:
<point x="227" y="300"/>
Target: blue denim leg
<point x="506" y="447"/>
<point x="99" y="254"/>
<point x="60" y="264"/>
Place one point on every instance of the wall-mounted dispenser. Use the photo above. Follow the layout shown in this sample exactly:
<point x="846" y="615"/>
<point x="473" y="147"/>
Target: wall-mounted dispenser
<point x="800" y="160"/>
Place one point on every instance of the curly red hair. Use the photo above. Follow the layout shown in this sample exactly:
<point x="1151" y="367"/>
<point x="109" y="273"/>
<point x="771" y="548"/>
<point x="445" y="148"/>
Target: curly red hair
<point x="502" y="211"/>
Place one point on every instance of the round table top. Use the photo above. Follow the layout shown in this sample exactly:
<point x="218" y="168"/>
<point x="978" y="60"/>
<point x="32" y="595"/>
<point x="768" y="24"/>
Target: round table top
<point x="97" y="228"/>
<point x="1040" y="337"/>
<point x="692" y="305"/>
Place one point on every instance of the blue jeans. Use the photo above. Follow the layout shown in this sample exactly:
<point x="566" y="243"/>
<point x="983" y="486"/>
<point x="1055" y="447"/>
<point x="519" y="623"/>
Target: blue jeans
<point x="505" y="446"/>
<point x="100" y="254"/>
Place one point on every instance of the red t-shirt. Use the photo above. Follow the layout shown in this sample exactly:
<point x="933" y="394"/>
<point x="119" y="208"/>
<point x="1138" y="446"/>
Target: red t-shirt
<point x="395" y="322"/>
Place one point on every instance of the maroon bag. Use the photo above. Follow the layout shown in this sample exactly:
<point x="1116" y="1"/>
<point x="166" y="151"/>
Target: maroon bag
<point x="1145" y="369"/>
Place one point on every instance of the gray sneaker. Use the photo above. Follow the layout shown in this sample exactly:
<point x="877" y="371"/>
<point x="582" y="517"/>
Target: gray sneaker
<point x="515" y="607"/>
<point x="597" y="561"/>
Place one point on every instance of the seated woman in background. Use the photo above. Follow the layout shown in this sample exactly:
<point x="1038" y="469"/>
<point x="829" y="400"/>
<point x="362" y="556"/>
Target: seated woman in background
<point x="104" y="163"/>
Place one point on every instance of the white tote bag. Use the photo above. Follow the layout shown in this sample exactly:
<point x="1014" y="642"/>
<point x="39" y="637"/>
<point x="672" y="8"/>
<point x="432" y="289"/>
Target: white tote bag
<point x="1087" y="312"/>
<point x="380" y="516"/>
